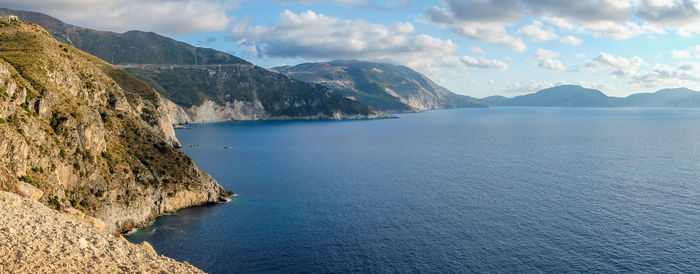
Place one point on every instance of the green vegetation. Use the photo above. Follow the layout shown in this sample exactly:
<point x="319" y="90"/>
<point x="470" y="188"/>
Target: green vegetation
<point x="25" y="106"/>
<point x="29" y="180"/>
<point x="56" y="120"/>
<point x="149" y="116"/>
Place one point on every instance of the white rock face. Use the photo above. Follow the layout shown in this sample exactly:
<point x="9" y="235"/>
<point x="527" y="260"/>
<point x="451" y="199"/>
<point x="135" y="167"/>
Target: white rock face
<point x="211" y="112"/>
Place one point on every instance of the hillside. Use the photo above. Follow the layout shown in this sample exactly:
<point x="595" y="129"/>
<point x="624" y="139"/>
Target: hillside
<point x="494" y="100"/>
<point x="37" y="239"/>
<point x="88" y="136"/>
<point x="561" y="96"/>
<point x="677" y="97"/>
<point x="383" y="86"/>
<point x="576" y="96"/>
<point x="207" y="85"/>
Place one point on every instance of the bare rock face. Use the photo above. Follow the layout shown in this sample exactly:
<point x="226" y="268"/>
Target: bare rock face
<point x="37" y="239"/>
<point x="89" y="136"/>
<point x="28" y="191"/>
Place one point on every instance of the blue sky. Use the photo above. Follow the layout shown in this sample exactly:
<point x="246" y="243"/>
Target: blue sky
<point x="473" y="47"/>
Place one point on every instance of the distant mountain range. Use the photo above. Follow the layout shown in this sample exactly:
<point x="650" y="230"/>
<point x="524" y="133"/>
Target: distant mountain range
<point x="386" y="87"/>
<point x="206" y="85"/>
<point x="577" y="96"/>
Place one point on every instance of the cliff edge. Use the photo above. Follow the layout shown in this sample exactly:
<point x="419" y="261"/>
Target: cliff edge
<point x="79" y="133"/>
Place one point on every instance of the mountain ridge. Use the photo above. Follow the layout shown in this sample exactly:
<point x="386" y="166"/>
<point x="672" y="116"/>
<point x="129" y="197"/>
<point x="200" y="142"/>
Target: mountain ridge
<point x="577" y="96"/>
<point x="387" y="87"/>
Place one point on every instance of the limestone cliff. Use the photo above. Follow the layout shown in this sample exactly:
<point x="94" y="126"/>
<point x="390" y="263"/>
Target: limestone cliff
<point x="88" y="135"/>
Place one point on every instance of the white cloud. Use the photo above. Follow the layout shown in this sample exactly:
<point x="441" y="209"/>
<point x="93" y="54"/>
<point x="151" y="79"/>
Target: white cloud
<point x="626" y="30"/>
<point x="680" y="15"/>
<point x="527" y="86"/>
<point x="548" y="60"/>
<point x="661" y="75"/>
<point x="477" y="50"/>
<point x="493" y="34"/>
<point x="621" y="66"/>
<point x="571" y="40"/>
<point x="167" y="17"/>
<point x="383" y="5"/>
<point x="681" y="54"/>
<point x="483" y="63"/>
<point x="686" y="53"/>
<point x="536" y="33"/>
<point x="487" y="19"/>
<point x="315" y="36"/>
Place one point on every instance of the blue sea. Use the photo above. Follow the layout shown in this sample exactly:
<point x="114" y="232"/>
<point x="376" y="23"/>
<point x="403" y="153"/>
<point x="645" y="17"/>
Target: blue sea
<point x="500" y="190"/>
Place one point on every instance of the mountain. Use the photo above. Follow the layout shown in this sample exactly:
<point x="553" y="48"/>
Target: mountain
<point x="677" y="97"/>
<point x="383" y="86"/>
<point x="206" y="85"/>
<point x="494" y="100"/>
<point x="576" y="96"/>
<point x="561" y="96"/>
<point x="79" y="133"/>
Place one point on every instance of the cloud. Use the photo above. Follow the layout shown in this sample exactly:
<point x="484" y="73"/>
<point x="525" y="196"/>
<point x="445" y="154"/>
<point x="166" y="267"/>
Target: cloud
<point x="571" y="41"/>
<point x="536" y="33"/>
<point x="487" y="19"/>
<point x="686" y="53"/>
<point x="207" y="41"/>
<point x="621" y="66"/>
<point x="527" y="86"/>
<point x="658" y="75"/>
<point x="480" y="20"/>
<point x="662" y="75"/>
<point x="380" y="5"/>
<point x="315" y="36"/>
<point x="477" y="50"/>
<point x="681" y="15"/>
<point x="169" y="17"/>
<point x="483" y="63"/>
<point x="548" y="60"/>
<point x="626" y="30"/>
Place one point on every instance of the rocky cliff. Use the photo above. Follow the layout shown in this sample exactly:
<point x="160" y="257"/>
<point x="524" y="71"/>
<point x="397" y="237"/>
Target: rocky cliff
<point x="383" y="86"/>
<point x="80" y="133"/>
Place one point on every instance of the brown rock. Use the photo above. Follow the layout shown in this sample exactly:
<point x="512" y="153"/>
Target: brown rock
<point x="28" y="191"/>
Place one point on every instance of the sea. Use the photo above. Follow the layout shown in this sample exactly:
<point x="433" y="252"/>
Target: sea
<point x="492" y="190"/>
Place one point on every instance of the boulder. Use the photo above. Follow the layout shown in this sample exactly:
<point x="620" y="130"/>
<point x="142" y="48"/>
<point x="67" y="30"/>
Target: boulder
<point x="28" y="191"/>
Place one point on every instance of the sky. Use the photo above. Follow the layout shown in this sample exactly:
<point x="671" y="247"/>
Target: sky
<point x="473" y="47"/>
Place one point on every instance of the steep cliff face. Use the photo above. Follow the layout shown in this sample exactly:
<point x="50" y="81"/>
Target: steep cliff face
<point x="89" y="135"/>
<point x="383" y="86"/>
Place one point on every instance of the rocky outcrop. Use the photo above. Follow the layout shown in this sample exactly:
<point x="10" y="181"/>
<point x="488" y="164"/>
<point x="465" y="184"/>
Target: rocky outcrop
<point x="37" y="239"/>
<point x="89" y="136"/>
<point x="212" y="112"/>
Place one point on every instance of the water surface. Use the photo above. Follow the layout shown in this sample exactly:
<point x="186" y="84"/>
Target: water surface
<point x="469" y="190"/>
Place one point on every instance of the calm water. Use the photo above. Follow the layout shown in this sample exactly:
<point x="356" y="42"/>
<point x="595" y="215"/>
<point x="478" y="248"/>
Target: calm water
<point x="470" y="190"/>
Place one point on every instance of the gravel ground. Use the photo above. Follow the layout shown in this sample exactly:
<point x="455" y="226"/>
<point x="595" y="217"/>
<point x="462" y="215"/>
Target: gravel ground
<point x="37" y="239"/>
